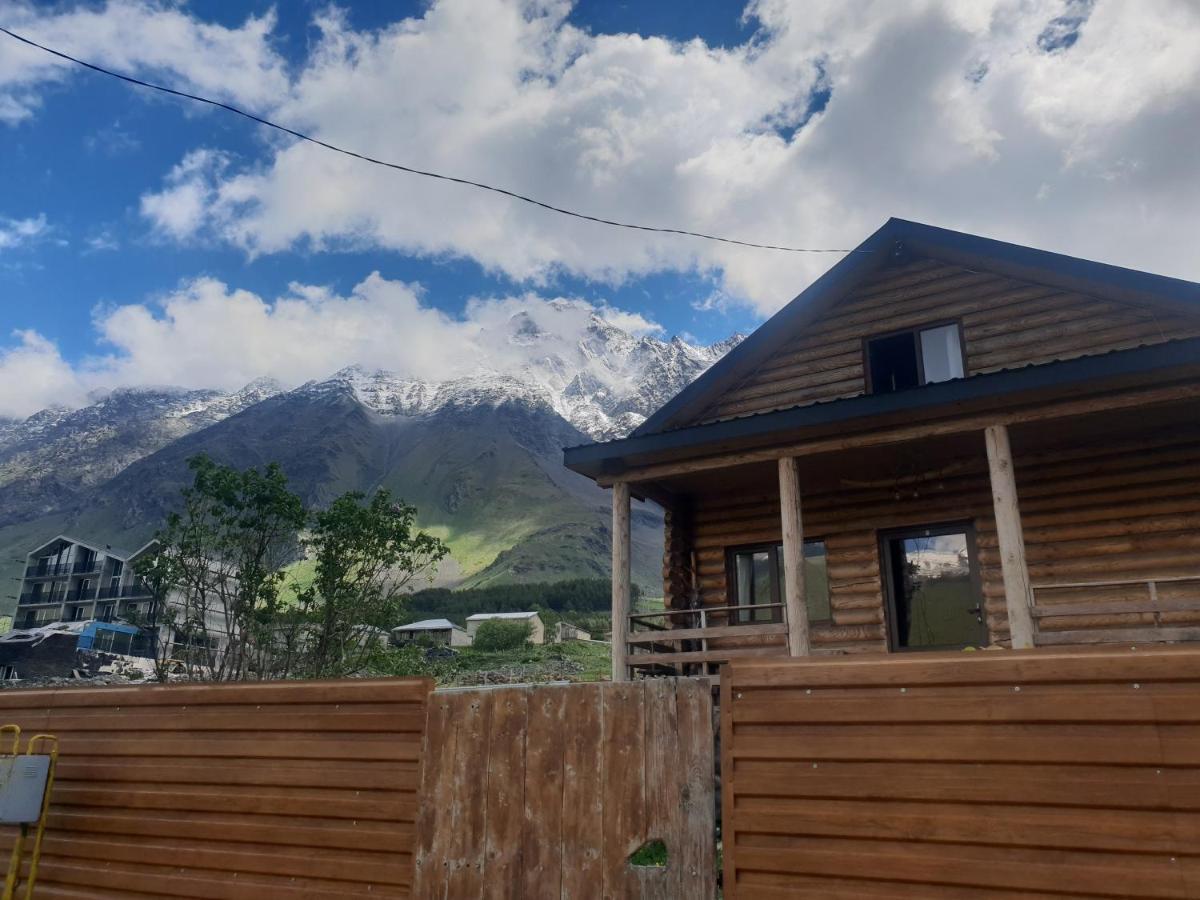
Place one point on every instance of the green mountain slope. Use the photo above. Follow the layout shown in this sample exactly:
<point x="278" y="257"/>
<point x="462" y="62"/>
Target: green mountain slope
<point x="486" y="477"/>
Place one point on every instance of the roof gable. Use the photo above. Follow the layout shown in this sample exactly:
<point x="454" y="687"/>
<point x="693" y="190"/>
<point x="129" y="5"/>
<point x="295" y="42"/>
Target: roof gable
<point x="895" y="242"/>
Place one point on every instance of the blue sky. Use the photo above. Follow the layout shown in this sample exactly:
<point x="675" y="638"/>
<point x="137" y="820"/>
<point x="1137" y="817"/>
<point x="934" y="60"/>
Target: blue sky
<point x="134" y="228"/>
<point x="97" y="145"/>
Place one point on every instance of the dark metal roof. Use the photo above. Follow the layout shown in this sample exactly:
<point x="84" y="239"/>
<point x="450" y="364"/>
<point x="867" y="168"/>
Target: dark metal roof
<point x="904" y="238"/>
<point x="611" y="457"/>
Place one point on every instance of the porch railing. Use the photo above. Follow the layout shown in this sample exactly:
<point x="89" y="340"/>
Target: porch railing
<point x="678" y="641"/>
<point x="1153" y="605"/>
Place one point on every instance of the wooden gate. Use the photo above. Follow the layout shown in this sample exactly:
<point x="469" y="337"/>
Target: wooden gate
<point x="989" y="774"/>
<point x="545" y="792"/>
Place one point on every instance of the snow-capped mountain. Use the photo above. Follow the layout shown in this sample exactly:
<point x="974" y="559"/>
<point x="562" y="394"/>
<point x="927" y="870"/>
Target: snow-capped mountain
<point x="478" y="449"/>
<point x="51" y="458"/>
<point x="605" y="383"/>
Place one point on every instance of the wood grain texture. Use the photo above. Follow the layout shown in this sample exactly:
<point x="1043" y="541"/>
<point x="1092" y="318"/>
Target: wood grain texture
<point x="299" y="789"/>
<point x="622" y="576"/>
<point x="569" y="782"/>
<point x="1006" y="324"/>
<point x="792" y="535"/>
<point x="1010" y="539"/>
<point x="1127" y="507"/>
<point x="1037" y="772"/>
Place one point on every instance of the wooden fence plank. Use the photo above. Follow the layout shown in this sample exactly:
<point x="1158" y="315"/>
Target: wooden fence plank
<point x="505" y="798"/>
<point x="1028" y="772"/>
<point x="583" y="797"/>
<point x="624" y="783"/>
<point x="662" y="819"/>
<point x="469" y="803"/>
<point x="543" y="828"/>
<point x="289" y="789"/>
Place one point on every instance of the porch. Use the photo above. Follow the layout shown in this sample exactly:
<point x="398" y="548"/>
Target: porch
<point x="1076" y="528"/>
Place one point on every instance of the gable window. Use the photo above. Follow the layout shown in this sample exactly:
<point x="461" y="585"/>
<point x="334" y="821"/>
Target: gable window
<point x="756" y="583"/>
<point x="896" y="362"/>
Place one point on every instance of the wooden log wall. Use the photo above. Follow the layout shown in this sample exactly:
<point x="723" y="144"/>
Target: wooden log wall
<point x="1035" y="773"/>
<point x="677" y="557"/>
<point x="1006" y="324"/>
<point x="1122" y="509"/>
<point x="290" y="790"/>
<point x="545" y="792"/>
<point x="847" y="519"/>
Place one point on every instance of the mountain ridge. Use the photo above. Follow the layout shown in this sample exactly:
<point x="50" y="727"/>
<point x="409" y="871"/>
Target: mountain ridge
<point x="479" y="453"/>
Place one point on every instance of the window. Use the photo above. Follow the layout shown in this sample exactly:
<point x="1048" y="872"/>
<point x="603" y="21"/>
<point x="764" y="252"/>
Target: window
<point x="932" y="586"/>
<point x="896" y="362"/>
<point x="756" y="580"/>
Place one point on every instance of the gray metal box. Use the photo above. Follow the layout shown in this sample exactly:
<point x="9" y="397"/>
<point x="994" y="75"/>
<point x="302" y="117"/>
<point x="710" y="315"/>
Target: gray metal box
<point x="22" y="788"/>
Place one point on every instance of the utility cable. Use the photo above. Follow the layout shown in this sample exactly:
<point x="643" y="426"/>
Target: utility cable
<point x="409" y="169"/>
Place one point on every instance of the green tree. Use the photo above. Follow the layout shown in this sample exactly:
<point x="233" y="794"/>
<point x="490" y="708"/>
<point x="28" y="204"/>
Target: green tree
<point x="501" y="634"/>
<point x="367" y="552"/>
<point x="223" y="556"/>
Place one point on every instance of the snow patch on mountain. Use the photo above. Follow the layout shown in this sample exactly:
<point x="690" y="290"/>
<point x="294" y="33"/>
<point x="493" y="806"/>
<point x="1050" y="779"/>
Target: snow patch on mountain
<point x="605" y="383"/>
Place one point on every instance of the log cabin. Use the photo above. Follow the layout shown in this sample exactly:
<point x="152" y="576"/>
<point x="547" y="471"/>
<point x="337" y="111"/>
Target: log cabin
<point x="944" y="442"/>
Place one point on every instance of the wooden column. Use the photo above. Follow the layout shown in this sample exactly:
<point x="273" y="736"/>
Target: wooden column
<point x="1018" y="595"/>
<point x="621" y="578"/>
<point x="793" y="557"/>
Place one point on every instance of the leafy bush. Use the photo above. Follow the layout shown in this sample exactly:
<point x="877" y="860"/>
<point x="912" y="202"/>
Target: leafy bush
<point x="501" y="634"/>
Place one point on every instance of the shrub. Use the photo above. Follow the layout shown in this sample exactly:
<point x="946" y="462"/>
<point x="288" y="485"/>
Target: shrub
<point x="501" y="634"/>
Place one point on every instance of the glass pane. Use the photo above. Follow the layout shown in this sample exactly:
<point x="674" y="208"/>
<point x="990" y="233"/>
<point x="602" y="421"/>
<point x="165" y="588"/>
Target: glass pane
<point x="762" y="585"/>
<point x="936" y="604"/>
<point x="893" y="363"/>
<point x="941" y="353"/>
<point x="754" y="575"/>
<point x="816" y="582"/>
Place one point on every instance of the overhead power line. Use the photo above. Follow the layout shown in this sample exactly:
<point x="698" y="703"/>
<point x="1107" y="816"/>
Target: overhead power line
<point x="403" y="168"/>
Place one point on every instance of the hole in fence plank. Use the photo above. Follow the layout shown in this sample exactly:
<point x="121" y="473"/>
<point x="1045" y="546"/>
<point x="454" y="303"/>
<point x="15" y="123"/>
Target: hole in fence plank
<point x="651" y="855"/>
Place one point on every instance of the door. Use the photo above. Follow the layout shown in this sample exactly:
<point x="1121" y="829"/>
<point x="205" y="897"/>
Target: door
<point x="931" y="582"/>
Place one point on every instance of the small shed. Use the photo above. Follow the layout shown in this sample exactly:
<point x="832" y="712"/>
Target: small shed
<point x="537" y="630"/>
<point x="433" y="631"/>
<point x="565" y="631"/>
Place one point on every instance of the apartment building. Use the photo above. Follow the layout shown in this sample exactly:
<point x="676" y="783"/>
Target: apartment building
<point x="70" y="580"/>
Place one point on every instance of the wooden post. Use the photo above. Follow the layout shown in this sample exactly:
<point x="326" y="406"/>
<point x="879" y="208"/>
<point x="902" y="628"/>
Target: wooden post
<point x="621" y="577"/>
<point x="1018" y="595"/>
<point x="793" y="557"/>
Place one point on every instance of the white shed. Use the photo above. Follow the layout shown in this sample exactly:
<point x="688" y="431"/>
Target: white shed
<point x="537" y="630"/>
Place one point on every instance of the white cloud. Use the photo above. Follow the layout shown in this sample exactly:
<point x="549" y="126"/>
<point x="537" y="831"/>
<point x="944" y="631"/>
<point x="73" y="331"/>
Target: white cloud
<point x="180" y="208"/>
<point x="633" y="322"/>
<point x="207" y="334"/>
<point x="33" y="376"/>
<point x="17" y="232"/>
<point x="1059" y="123"/>
<point x="147" y="36"/>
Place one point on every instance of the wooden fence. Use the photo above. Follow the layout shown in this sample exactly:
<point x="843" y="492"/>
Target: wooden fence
<point x="545" y="792"/>
<point x="301" y="789"/>
<point x="989" y="775"/>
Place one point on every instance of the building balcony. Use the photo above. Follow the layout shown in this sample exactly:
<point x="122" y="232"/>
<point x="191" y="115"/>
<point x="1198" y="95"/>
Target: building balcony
<point x="29" y="599"/>
<point x="129" y="591"/>
<point x="77" y="568"/>
<point x="40" y="571"/>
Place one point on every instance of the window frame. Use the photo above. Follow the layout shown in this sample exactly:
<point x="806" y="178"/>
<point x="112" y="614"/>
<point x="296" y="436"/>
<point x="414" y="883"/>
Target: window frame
<point x="885" y="536"/>
<point x="915" y="331"/>
<point x="775" y="550"/>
